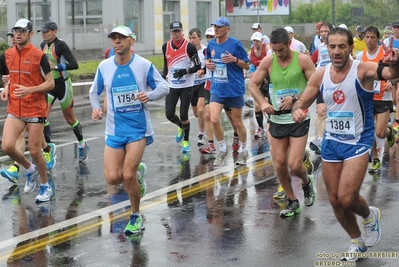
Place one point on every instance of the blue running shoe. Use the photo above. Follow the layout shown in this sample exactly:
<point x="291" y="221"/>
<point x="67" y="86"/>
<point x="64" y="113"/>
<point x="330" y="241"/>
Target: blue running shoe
<point x="31" y="178"/>
<point x="45" y="193"/>
<point x="185" y="147"/>
<point x="50" y="157"/>
<point x="179" y="135"/>
<point x="355" y="250"/>
<point x="11" y="174"/>
<point x="83" y="151"/>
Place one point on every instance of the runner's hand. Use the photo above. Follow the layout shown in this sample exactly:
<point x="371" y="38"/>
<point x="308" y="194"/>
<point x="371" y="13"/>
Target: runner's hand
<point x="96" y="114"/>
<point x="179" y="73"/>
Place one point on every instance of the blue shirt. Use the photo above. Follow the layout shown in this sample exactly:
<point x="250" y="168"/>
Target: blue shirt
<point x="227" y="79"/>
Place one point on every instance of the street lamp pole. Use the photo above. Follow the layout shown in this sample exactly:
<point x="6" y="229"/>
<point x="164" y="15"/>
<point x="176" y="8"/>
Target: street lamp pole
<point x="333" y="12"/>
<point x="29" y="11"/>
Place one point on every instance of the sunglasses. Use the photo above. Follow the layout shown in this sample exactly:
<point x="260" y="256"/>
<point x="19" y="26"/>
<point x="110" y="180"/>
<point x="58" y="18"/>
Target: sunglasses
<point x="20" y="30"/>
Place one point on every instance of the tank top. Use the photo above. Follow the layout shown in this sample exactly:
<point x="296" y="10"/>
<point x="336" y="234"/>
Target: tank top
<point x="349" y="109"/>
<point x="379" y="86"/>
<point x="286" y="81"/>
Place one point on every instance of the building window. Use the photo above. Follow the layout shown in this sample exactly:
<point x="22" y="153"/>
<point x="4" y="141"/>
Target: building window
<point x="203" y="15"/>
<point x="88" y="15"/>
<point x="132" y="15"/>
<point x="170" y="14"/>
<point x="36" y="15"/>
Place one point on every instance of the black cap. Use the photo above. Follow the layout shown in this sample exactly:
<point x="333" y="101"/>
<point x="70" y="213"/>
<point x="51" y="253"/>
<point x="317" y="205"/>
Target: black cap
<point x="47" y="26"/>
<point x="395" y="24"/>
<point x="176" y="26"/>
<point x="10" y="33"/>
<point x="360" y="29"/>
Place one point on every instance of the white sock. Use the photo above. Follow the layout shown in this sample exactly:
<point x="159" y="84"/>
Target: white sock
<point x="222" y="146"/>
<point x="31" y="169"/>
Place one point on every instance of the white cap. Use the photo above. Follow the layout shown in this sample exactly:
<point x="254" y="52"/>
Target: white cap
<point x="256" y="26"/>
<point x="257" y="36"/>
<point x="210" y="31"/>
<point x="23" y="24"/>
<point x="343" y="26"/>
<point x="289" y="29"/>
<point x="125" y="31"/>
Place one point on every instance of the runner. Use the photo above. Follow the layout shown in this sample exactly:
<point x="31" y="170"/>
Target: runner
<point x="128" y="128"/>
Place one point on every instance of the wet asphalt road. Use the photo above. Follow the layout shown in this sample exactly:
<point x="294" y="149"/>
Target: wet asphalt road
<point x="195" y="215"/>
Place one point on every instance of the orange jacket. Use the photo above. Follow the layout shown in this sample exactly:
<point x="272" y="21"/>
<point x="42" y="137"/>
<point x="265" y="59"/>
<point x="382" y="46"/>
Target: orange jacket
<point x="24" y="69"/>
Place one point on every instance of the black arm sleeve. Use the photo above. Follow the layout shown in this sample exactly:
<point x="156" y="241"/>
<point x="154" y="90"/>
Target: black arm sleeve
<point x="3" y="66"/>
<point x="165" y="63"/>
<point x="44" y="64"/>
<point x="62" y="50"/>
<point x="193" y="54"/>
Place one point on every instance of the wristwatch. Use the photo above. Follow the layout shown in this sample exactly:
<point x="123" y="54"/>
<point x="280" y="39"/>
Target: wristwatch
<point x="294" y="99"/>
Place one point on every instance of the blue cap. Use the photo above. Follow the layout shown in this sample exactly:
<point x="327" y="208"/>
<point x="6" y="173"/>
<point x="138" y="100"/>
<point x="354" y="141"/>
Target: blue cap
<point x="221" y="22"/>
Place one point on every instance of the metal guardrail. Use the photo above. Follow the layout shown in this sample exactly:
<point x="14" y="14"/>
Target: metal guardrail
<point x="73" y="85"/>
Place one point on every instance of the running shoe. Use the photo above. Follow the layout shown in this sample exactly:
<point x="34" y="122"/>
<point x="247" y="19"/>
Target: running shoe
<point x="45" y="193"/>
<point x="291" y="209"/>
<point x="143" y="185"/>
<point x="279" y="193"/>
<point x="375" y="167"/>
<point x="11" y="174"/>
<point x="221" y="157"/>
<point x="249" y="103"/>
<point x="50" y="156"/>
<point x="315" y="146"/>
<point x="308" y="162"/>
<point x="395" y="127"/>
<point x="309" y="192"/>
<point x="372" y="228"/>
<point x="185" y="147"/>
<point x="236" y="143"/>
<point x="201" y="140"/>
<point x="31" y="178"/>
<point x="391" y="136"/>
<point x="83" y="151"/>
<point x="260" y="133"/>
<point x="242" y="158"/>
<point x="208" y="149"/>
<point x="135" y="225"/>
<point x="355" y="249"/>
<point x="179" y="135"/>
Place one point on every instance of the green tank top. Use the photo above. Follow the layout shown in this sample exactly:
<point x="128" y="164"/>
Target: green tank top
<point x="286" y="82"/>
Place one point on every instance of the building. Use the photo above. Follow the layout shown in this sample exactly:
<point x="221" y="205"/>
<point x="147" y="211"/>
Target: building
<point x="84" y="24"/>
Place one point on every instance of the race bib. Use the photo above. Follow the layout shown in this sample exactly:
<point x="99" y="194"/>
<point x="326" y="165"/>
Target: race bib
<point x="324" y="57"/>
<point x="377" y="87"/>
<point x="199" y="80"/>
<point x="341" y="125"/>
<point x="182" y="80"/>
<point x="220" y="73"/>
<point x="123" y="99"/>
<point x="280" y="94"/>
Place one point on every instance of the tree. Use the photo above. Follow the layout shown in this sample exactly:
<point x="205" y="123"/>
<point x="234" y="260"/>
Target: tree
<point x="378" y="13"/>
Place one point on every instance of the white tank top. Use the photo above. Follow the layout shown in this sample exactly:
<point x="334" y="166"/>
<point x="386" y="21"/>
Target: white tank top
<point x="349" y="109"/>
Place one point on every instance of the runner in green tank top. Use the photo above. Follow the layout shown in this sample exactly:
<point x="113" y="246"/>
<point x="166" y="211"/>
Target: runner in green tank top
<point x="289" y="72"/>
